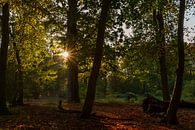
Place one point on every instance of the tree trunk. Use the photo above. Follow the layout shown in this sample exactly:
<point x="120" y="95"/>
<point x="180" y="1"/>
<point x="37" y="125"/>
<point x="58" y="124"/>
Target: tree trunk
<point x="20" y="88"/>
<point x="18" y="98"/>
<point x="171" y="117"/>
<point x="162" y="58"/>
<point x="160" y="39"/>
<point x="105" y="80"/>
<point x="14" y="103"/>
<point x="3" y="58"/>
<point x="87" y="108"/>
<point x="73" y="86"/>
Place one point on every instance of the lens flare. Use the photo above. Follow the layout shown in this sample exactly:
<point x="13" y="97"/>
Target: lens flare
<point x="65" y="54"/>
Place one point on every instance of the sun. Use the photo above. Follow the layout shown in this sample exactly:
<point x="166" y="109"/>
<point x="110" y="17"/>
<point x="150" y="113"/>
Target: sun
<point x="65" y="54"/>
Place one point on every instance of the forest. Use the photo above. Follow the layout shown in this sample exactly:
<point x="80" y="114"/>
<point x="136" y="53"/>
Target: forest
<point x="97" y="64"/>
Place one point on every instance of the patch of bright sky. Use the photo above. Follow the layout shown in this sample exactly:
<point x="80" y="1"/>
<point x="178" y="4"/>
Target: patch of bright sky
<point x="190" y="24"/>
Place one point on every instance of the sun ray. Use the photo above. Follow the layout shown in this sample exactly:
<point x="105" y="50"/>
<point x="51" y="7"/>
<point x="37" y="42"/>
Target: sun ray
<point x="65" y="54"/>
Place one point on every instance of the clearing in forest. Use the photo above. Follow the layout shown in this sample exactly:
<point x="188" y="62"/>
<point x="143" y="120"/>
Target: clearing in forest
<point x="44" y="115"/>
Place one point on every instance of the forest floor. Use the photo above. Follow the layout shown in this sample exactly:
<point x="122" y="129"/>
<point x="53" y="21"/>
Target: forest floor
<point x="44" y="115"/>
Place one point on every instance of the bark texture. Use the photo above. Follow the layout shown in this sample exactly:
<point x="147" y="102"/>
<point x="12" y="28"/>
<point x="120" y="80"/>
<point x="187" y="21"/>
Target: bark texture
<point x="87" y="108"/>
<point x="171" y="117"/>
<point x="160" y="39"/>
<point x="73" y="85"/>
<point x="3" y="59"/>
<point x="162" y="58"/>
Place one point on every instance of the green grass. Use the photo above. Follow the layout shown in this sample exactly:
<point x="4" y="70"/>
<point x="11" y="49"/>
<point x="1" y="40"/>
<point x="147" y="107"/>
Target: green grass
<point x="113" y="99"/>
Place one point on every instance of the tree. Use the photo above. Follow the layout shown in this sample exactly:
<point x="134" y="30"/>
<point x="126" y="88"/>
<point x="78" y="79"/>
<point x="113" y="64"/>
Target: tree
<point x="87" y="108"/>
<point x="18" y="96"/>
<point x="171" y="117"/>
<point x="3" y="58"/>
<point x="27" y="72"/>
<point x="153" y="29"/>
<point x="73" y="85"/>
<point x="160" y="39"/>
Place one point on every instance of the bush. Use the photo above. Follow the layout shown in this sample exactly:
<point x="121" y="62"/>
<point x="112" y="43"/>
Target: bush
<point x="189" y="90"/>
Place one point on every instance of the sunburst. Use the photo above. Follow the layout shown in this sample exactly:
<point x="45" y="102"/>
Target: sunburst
<point x="65" y="54"/>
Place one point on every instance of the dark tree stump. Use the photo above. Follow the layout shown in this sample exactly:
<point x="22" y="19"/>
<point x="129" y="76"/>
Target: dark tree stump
<point x="154" y="105"/>
<point x="60" y="105"/>
<point x="186" y="104"/>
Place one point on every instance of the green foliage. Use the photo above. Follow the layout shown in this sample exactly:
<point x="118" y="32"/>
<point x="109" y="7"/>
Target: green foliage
<point x="130" y="62"/>
<point x="189" y="90"/>
<point x="120" y="98"/>
<point x="83" y="90"/>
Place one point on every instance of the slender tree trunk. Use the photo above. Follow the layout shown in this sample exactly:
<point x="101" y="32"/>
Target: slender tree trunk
<point x="162" y="58"/>
<point x="160" y="39"/>
<point x="3" y="58"/>
<point x="18" y="98"/>
<point x="87" y="108"/>
<point x="174" y="104"/>
<point x="20" y="88"/>
<point x="14" y="103"/>
<point x="105" y="86"/>
<point x="73" y="86"/>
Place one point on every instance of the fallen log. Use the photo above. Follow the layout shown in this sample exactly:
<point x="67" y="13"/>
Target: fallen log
<point x="154" y="105"/>
<point x="187" y="104"/>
